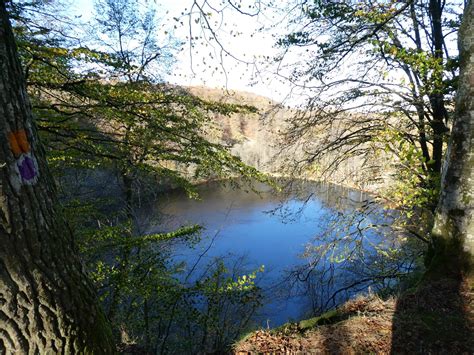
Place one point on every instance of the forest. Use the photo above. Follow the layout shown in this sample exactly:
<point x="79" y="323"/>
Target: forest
<point x="236" y="176"/>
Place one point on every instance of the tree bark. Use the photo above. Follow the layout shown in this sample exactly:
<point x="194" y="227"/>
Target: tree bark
<point x="47" y="304"/>
<point x="453" y="231"/>
<point x="436" y="97"/>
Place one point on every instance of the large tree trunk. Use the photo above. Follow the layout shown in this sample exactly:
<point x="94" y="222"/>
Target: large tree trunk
<point x="453" y="231"/>
<point x="46" y="303"/>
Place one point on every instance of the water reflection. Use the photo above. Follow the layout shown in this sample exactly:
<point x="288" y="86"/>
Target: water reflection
<point x="270" y="229"/>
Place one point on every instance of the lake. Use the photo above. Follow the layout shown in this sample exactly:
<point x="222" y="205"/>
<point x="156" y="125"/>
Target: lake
<point x="254" y="228"/>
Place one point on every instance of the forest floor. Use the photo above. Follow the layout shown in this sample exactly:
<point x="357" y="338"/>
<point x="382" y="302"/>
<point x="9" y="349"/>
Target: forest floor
<point x="435" y="318"/>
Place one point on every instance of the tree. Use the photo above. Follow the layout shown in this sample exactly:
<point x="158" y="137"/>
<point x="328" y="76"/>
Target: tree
<point x="107" y="108"/>
<point x="130" y="32"/>
<point x="380" y="76"/>
<point x="47" y="303"/>
<point x="453" y="232"/>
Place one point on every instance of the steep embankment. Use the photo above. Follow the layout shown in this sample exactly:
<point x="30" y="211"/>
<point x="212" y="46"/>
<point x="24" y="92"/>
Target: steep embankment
<point x="436" y="318"/>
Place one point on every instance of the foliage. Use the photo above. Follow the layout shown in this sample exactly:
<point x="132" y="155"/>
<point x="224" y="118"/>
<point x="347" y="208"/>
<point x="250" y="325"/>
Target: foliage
<point x="366" y="249"/>
<point x="165" y="306"/>
<point x="380" y="77"/>
<point x="370" y="67"/>
<point x="413" y="187"/>
<point x="99" y="108"/>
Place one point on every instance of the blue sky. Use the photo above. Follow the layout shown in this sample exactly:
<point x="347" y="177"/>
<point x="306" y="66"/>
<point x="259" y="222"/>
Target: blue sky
<point x="218" y="71"/>
<point x="207" y="65"/>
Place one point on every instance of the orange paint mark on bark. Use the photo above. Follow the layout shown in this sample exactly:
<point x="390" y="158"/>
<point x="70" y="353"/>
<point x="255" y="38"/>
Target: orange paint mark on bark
<point x="22" y="141"/>
<point x="14" y="146"/>
<point x="18" y="142"/>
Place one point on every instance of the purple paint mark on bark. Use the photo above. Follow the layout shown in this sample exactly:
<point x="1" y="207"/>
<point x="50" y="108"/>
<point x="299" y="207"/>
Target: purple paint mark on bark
<point x="27" y="169"/>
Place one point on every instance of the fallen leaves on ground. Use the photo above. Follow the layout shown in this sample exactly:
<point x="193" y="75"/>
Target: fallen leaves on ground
<point x="437" y="318"/>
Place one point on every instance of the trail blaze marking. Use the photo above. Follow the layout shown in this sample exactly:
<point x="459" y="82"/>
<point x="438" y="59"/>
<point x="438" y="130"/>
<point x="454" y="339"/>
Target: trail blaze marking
<point x="25" y="160"/>
<point x="18" y="142"/>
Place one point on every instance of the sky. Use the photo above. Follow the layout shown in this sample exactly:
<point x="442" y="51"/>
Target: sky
<point x="237" y="62"/>
<point x="206" y="64"/>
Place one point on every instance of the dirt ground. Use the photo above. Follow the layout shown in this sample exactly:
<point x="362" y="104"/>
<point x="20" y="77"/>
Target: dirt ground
<point x="436" y="318"/>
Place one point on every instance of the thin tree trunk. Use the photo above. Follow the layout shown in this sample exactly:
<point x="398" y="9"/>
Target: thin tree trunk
<point x="437" y="97"/>
<point x="47" y="304"/>
<point x="453" y="231"/>
<point x="128" y="189"/>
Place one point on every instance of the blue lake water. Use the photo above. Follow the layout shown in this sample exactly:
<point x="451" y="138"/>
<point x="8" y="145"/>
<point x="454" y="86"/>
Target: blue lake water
<point x="264" y="228"/>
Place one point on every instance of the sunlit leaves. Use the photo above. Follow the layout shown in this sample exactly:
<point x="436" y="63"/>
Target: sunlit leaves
<point x="377" y="59"/>
<point x="414" y="186"/>
<point x="90" y="117"/>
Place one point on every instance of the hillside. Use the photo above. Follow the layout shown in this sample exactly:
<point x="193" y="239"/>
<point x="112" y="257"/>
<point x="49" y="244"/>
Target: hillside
<point x="253" y="137"/>
<point x="259" y="140"/>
